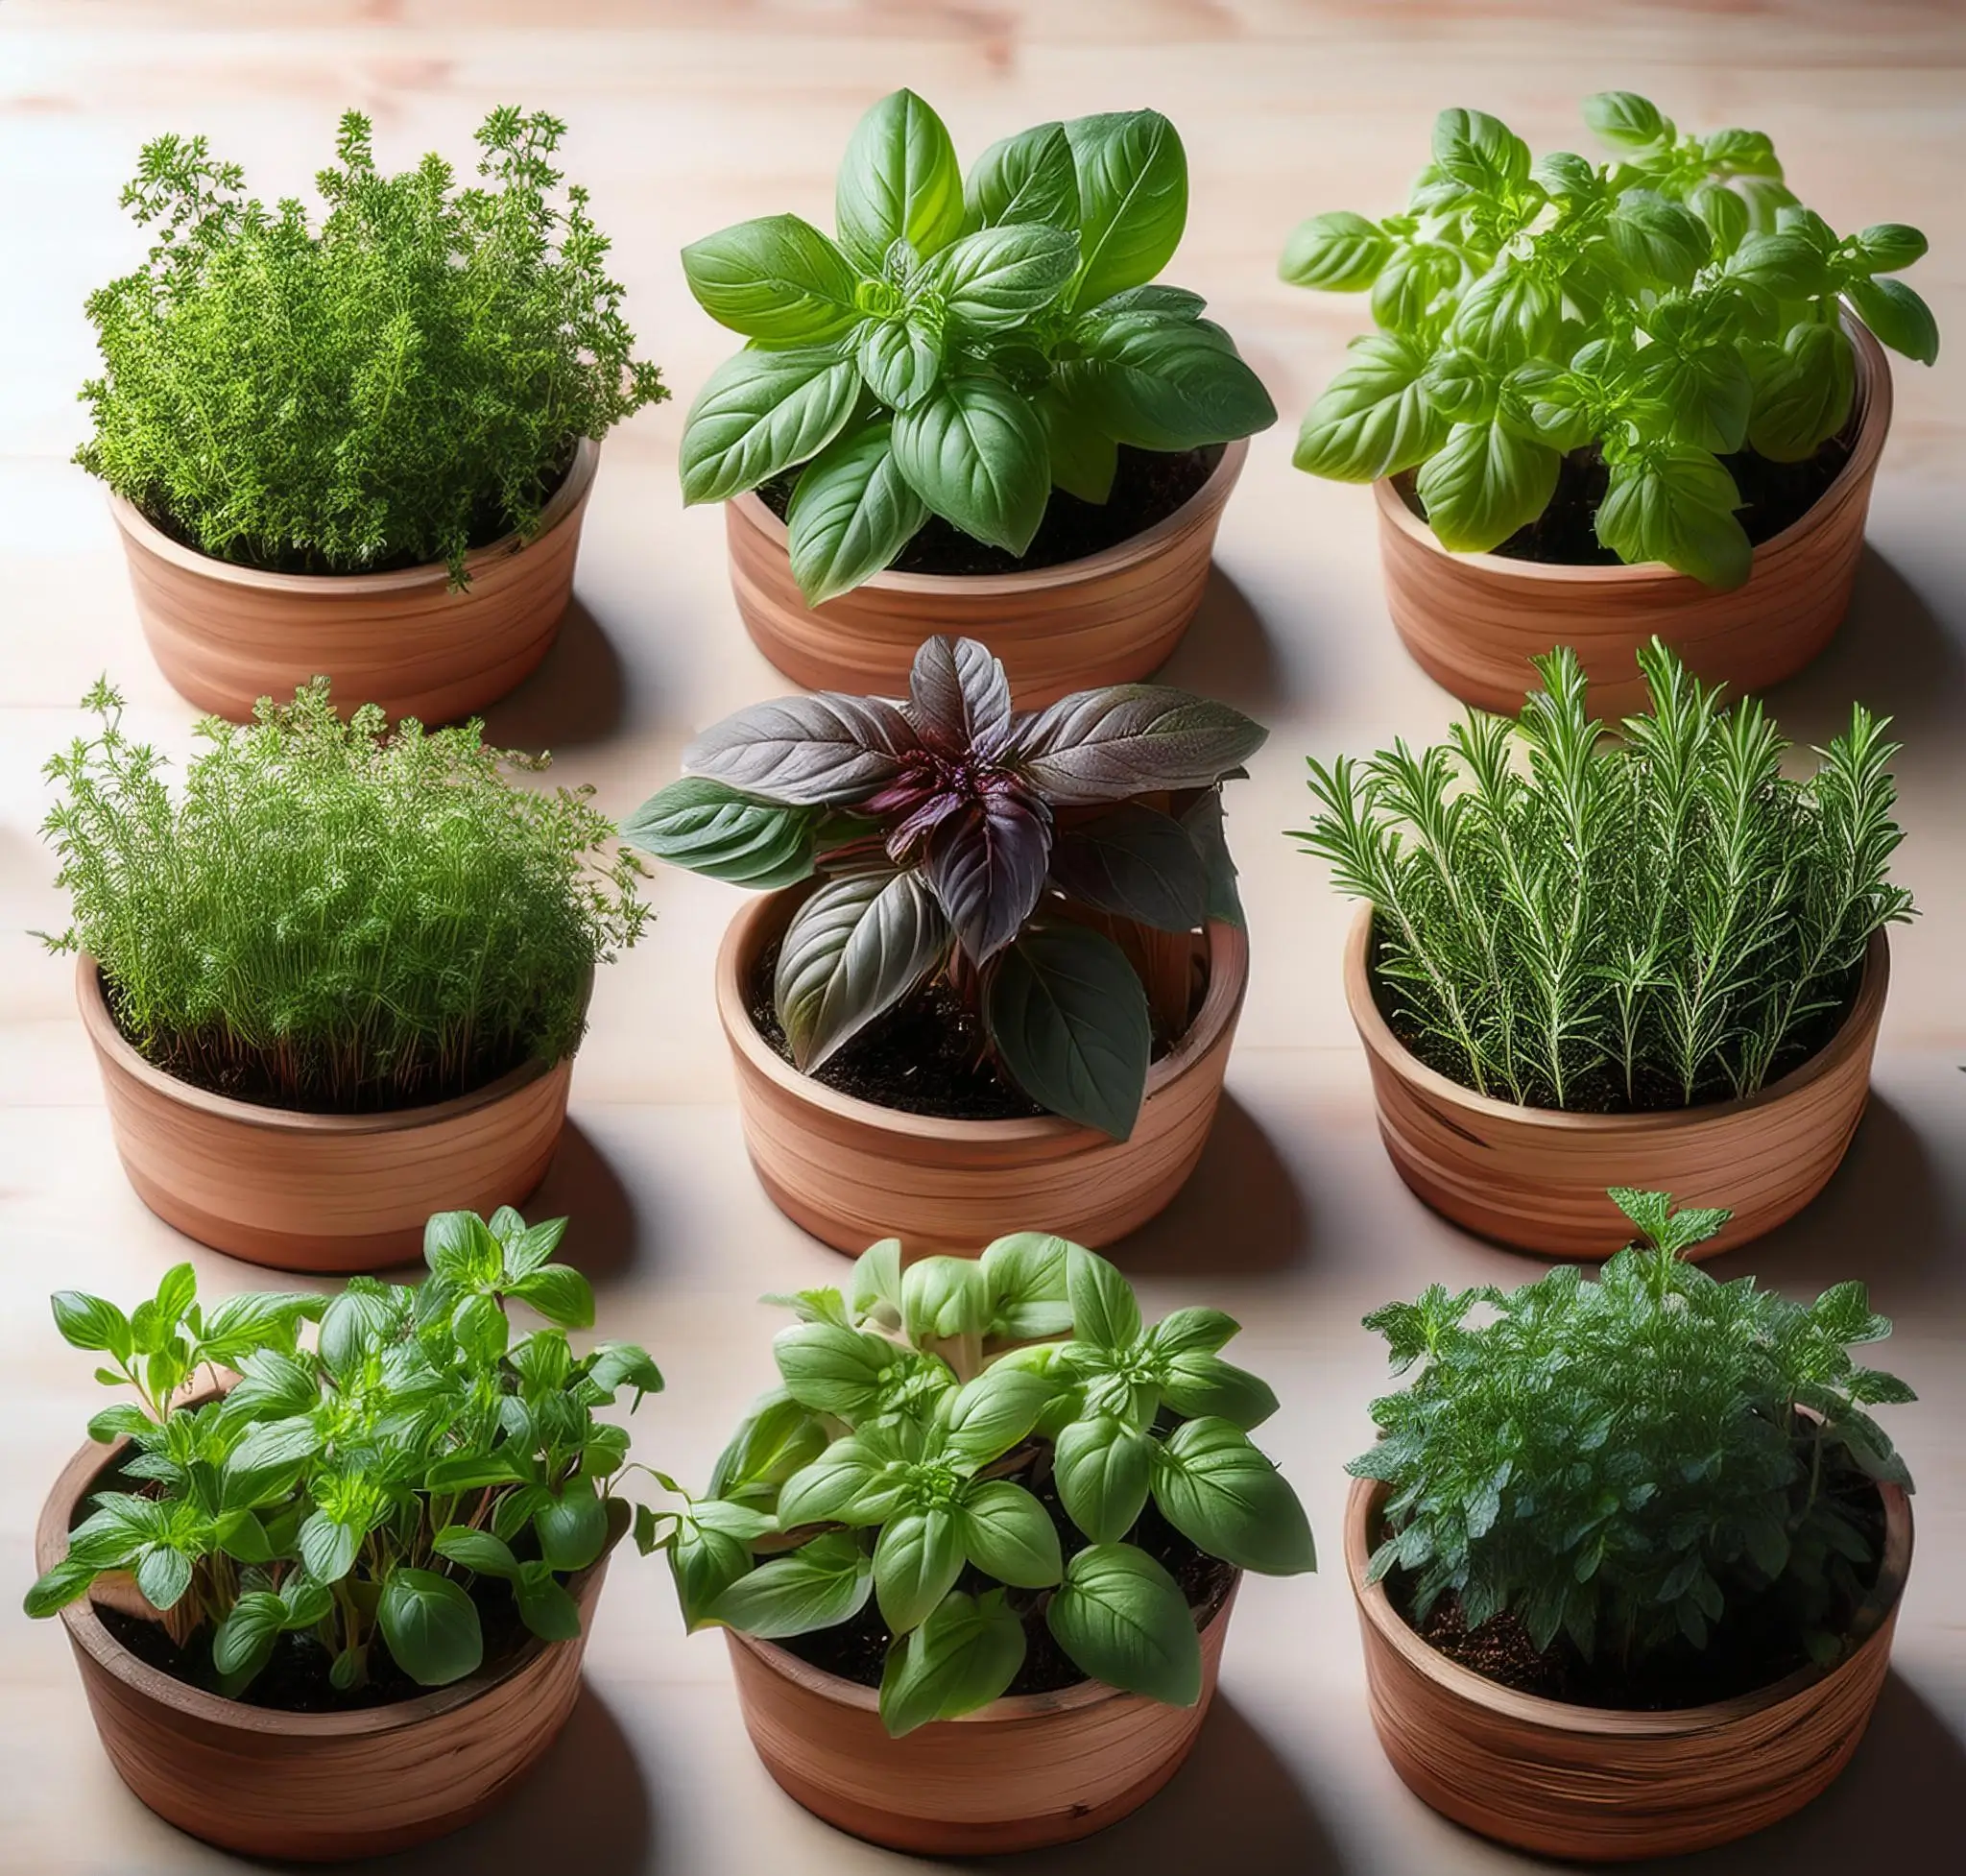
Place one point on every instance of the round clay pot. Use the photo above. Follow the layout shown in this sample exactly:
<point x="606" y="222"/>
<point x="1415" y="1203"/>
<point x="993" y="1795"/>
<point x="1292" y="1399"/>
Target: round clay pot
<point x="1536" y="1177"/>
<point x="1602" y="1785"/>
<point x="1022" y="1773"/>
<point x="1473" y="621"/>
<point x="309" y="1787"/>
<point x="1113" y="617"/>
<point x="227" y="635"/>
<point x="851" y="1172"/>
<point x="319" y="1191"/>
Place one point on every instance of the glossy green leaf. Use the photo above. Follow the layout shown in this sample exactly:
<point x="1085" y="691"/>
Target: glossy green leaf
<point x="777" y="280"/>
<point x="853" y="950"/>
<point x="1482" y="484"/>
<point x="974" y="452"/>
<point x="1676" y="504"/>
<point x="1165" y="384"/>
<point x="1105" y="1311"/>
<point x="1030" y="177"/>
<point x="851" y="1482"/>
<point x="833" y="1370"/>
<point x="1374" y="418"/>
<point x="851" y="514"/>
<point x="1659" y="239"/>
<point x="899" y="181"/>
<point x="430" y="1627"/>
<point x="966" y="1652"/>
<point x="1802" y="393"/>
<point x="1023" y="1276"/>
<point x="761" y="411"/>
<point x="1103" y="1467"/>
<point x="1224" y="1496"/>
<point x="1706" y="390"/>
<point x="1898" y="317"/>
<point x="991" y="1414"/>
<point x="546" y="1605"/>
<point x="1133" y="199"/>
<point x="1338" y="251"/>
<point x="1628" y="122"/>
<point x="899" y="360"/>
<point x="88" y="1322"/>
<point x="1083" y="458"/>
<point x="572" y="1526"/>
<point x="1007" y="1534"/>
<point x="1123" y="1618"/>
<point x="1000" y="277"/>
<point x="724" y="834"/>
<point x="477" y="1550"/>
<point x="916" y="1564"/>
<point x="819" y="1585"/>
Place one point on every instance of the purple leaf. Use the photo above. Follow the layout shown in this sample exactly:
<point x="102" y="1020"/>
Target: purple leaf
<point x="826" y="749"/>
<point x="1131" y="739"/>
<point x="959" y="698"/>
<point x="853" y="950"/>
<point x="987" y="865"/>
<point x="1133" y="861"/>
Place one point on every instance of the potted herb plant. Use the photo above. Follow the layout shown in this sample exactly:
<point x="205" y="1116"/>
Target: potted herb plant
<point x="1610" y="400"/>
<point x="996" y="973"/>
<point x="1588" y="960"/>
<point x="1628" y="1552"/>
<point x="328" y="1599"/>
<point x="975" y="1556"/>
<point x="972" y="410"/>
<point x="363" y="450"/>
<point x="335" y="982"/>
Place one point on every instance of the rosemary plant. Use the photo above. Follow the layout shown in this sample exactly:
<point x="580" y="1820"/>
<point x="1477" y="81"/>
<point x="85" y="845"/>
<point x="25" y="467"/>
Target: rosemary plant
<point x="1650" y="920"/>
<point x="331" y="916"/>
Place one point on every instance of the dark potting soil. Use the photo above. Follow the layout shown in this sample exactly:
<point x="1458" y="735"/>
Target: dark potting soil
<point x="1147" y="487"/>
<point x="857" y="1650"/>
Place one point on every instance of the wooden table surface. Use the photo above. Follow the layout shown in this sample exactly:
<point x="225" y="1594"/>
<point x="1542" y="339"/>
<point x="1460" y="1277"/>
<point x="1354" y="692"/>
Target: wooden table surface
<point x="688" y="116"/>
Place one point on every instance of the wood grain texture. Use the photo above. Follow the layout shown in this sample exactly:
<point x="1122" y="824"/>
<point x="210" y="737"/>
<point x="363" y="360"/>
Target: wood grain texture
<point x="319" y="1191"/>
<point x="1536" y="1177"/>
<point x="1113" y="617"/>
<point x="1473" y="621"/>
<point x="227" y="635"/>
<point x="312" y="1788"/>
<point x="851" y="1172"/>
<point x="1606" y="1786"/>
<point x="1021" y="1774"/>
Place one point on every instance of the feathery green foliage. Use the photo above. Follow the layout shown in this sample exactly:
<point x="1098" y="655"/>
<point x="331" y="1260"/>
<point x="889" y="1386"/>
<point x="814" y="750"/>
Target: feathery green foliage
<point x="1621" y="1461"/>
<point x="332" y="917"/>
<point x="1649" y="920"/>
<point x="404" y="383"/>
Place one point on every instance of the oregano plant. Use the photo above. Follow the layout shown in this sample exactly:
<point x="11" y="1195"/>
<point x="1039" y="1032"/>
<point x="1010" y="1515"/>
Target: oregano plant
<point x="1625" y="1462"/>
<point x="959" y="346"/>
<point x="958" y="840"/>
<point x="968" y="1452"/>
<point x="348" y="1490"/>
<point x="1650" y="315"/>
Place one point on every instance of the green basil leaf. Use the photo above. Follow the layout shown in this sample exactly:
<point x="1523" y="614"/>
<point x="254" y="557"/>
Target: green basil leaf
<point x="1027" y="178"/>
<point x="89" y="1322"/>
<point x="1191" y="1331"/>
<point x="899" y="181"/>
<point x="1133" y="199"/>
<point x="1000" y="277"/>
<point x="1676" y="504"/>
<point x="1196" y="1383"/>
<point x="163" y="1574"/>
<point x="1375" y="416"/>
<point x="1802" y="393"/>
<point x="1724" y="210"/>
<point x="1898" y="317"/>
<point x="1105" y="1311"/>
<point x="974" y="452"/>
<point x="1785" y="264"/>
<point x="546" y="1605"/>
<point x="119" y="1422"/>
<point x="1104" y="1467"/>
<point x="851" y="514"/>
<point x="848" y="1484"/>
<point x="942" y="1298"/>
<point x="1483" y="483"/>
<point x="243" y="1537"/>
<point x="1888" y="247"/>
<point x="966" y="1652"/>
<point x="459" y="1246"/>
<point x="478" y="1551"/>
<point x="58" y="1586"/>
<point x="874" y="1288"/>
<point x="916" y="1564"/>
<point x="430" y="1627"/>
<point x="760" y="413"/>
<point x="724" y="834"/>
<point x="830" y="1369"/>
<point x="1628" y="122"/>
<point x="704" y="1564"/>
<point x="1415" y="289"/>
<point x="853" y="950"/>
<point x="899" y="360"/>
<point x="1480" y="152"/>
<point x="1083" y="459"/>
<point x="1509" y="314"/>
<point x="560" y="1293"/>
<point x="1123" y="1618"/>
<point x="1165" y="384"/>
<point x="1337" y="251"/>
<point x="777" y="280"/>
<point x="1007" y="1534"/>
<point x="1220" y="1493"/>
<point x="571" y="1525"/>
<point x="989" y="1415"/>
<point x="1023" y="1278"/>
<point x="327" y="1546"/>
<point x="1706" y="389"/>
<point x="242" y="1643"/>
<point x="777" y="1436"/>
<point x="1659" y="239"/>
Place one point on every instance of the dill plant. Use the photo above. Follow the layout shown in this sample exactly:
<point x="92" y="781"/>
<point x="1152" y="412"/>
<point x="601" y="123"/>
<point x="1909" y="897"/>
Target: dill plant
<point x="1626" y="1463"/>
<point x="405" y="382"/>
<point x="1567" y="918"/>
<point x="331" y="916"/>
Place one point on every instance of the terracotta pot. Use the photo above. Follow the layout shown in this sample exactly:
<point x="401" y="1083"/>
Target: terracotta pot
<point x="227" y="635"/>
<point x="1535" y="1177"/>
<point x="1023" y="1774"/>
<point x="1109" y="618"/>
<point x="1602" y="1785"/>
<point x="1473" y="621"/>
<point x="850" y="1171"/>
<point x="319" y="1191"/>
<point x="306" y="1786"/>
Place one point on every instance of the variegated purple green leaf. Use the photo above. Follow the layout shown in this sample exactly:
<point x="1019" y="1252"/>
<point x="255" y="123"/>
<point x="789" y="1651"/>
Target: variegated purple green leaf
<point x="1133" y="861"/>
<point x="959" y="698"/>
<point x="986" y="864"/>
<point x="814" y="751"/>
<point x="1132" y="739"/>
<point x="853" y="950"/>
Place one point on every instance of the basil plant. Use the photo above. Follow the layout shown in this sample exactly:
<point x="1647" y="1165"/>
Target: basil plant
<point x="960" y="345"/>
<point x="956" y="838"/>
<point x="349" y="1492"/>
<point x="1665" y="309"/>
<point x="923" y="1420"/>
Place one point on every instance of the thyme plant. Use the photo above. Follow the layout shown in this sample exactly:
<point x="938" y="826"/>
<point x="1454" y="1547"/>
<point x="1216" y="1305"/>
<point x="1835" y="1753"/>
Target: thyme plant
<point x="329" y="915"/>
<point x="1567" y="918"/>
<point x="403" y="383"/>
<point x="347" y="1493"/>
<point x="928" y="1420"/>
<point x="1624" y="1462"/>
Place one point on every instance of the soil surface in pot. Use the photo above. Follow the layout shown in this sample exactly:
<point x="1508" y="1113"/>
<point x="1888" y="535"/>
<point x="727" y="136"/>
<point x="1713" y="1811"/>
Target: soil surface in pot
<point x="1147" y="487"/>
<point x="1755" y="1644"/>
<point x="857" y="1650"/>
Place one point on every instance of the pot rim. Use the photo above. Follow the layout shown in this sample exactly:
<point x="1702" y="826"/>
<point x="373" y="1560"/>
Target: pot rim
<point x="116" y="1050"/>
<point x="1869" y="1627"/>
<point x="562" y="507"/>
<point x="750" y="931"/>
<point x="1859" y="1026"/>
<point x="1874" y="394"/>
<point x="88" y="1632"/>
<point x="1213" y="493"/>
<point x="1007" y="1709"/>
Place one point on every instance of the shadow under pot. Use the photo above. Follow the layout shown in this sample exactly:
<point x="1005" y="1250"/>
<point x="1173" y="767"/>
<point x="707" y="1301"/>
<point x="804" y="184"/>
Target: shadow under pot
<point x="1602" y="1785"/>
<point x="326" y="1192"/>
<point x="1536" y="1178"/>
<point x="850" y="1171"/>
<point x="307" y="1787"/>
<point x="1026" y="1772"/>
<point x="1111" y="617"/>
<point x="226" y="635"/>
<point x="1473" y="621"/>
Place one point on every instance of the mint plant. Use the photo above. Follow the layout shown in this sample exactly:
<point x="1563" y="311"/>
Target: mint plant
<point x="960" y="345"/>
<point x="349" y="1492"/>
<point x="1623" y="1462"/>
<point x="397" y="386"/>
<point x="331" y="915"/>
<point x="1567" y="919"/>
<point x="959" y="839"/>
<point x="921" y="1415"/>
<point x="1657" y="312"/>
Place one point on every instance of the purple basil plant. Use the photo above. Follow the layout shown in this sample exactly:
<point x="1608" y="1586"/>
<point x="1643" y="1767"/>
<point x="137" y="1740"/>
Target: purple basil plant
<point x="956" y="836"/>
